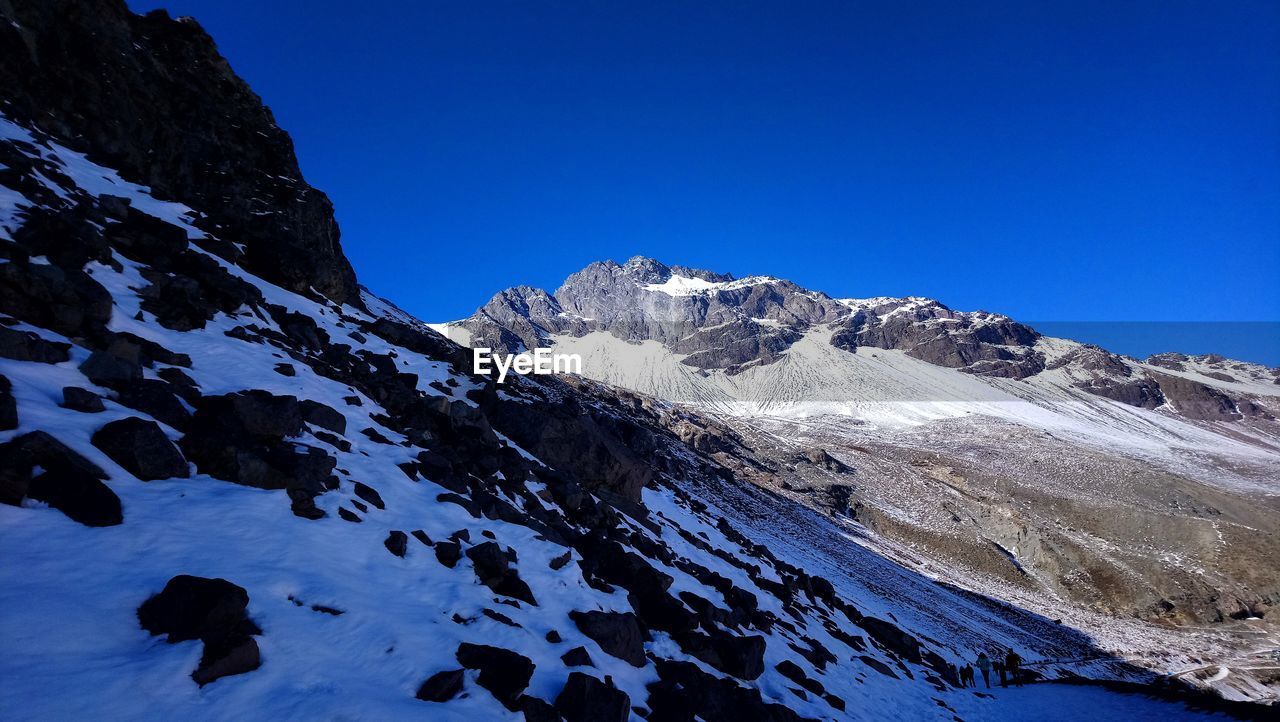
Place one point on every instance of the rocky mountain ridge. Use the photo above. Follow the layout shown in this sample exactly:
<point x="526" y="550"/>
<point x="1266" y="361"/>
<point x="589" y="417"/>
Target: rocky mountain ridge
<point x="1132" y="487"/>
<point x="714" y="322"/>
<point x="239" y="487"/>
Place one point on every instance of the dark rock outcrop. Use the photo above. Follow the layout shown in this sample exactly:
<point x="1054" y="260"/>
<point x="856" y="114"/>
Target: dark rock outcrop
<point x="503" y="672"/>
<point x="492" y="567"/>
<point x="213" y="611"/>
<point x="979" y="343"/>
<point x="685" y="692"/>
<point x="81" y="69"/>
<point x="241" y="437"/>
<point x="65" y="480"/>
<point x="142" y="448"/>
<point x="27" y="346"/>
<point x="587" y="699"/>
<point x="397" y="542"/>
<point x="441" y="686"/>
<point x="618" y="634"/>
<point x="1196" y="400"/>
<point x="8" y="406"/>
<point x="83" y="400"/>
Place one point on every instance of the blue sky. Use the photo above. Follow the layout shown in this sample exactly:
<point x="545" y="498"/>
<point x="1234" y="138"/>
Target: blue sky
<point x="1097" y="161"/>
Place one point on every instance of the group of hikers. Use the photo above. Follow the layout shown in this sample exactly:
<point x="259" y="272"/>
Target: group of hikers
<point x="1009" y="668"/>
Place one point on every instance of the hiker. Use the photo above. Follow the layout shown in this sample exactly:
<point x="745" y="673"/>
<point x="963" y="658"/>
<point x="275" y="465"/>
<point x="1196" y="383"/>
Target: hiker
<point x="984" y="664"/>
<point x="966" y="675"/>
<point x="1013" y="663"/>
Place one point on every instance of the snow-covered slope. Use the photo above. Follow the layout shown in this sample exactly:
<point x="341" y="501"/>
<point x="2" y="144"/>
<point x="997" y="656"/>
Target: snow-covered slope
<point x="1015" y="462"/>
<point x="228" y="496"/>
<point x="397" y="572"/>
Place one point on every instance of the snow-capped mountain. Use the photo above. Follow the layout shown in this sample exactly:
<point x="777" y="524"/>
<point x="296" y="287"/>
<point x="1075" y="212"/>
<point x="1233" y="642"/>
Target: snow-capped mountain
<point x="1031" y="463"/>
<point x="238" y="486"/>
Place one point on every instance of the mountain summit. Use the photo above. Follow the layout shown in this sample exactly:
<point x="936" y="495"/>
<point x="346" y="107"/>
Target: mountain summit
<point x="710" y="321"/>
<point x="1045" y="464"/>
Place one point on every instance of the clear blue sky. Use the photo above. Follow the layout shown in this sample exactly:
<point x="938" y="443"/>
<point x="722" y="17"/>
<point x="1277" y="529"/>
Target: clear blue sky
<point x="1054" y="161"/>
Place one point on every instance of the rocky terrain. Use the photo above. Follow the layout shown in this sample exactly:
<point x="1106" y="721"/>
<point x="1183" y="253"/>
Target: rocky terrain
<point x="1005" y="459"/>
<point x="236" y="485"/>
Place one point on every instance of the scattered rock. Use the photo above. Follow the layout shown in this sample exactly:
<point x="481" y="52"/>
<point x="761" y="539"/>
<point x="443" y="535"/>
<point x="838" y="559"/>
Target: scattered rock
<point x="142" y="448"/>
<point x="105" y="369"/>
<point x="741" y="657"/>
<point x="503" y="672"/>
<point x="83" y="400"/>
<point x="618" y="634"/>
<point x="369" y="494"/>
<point x="397" y="542"/>
<point x="577" y="657"/>
<point x="326" y="417"/>
<point x="587" y="699"/>
<point x="448" y="553"/>
<point x="441" y="686"/>
<point x="66" y="480"/>
<point x="8" y="406"/>
<point x="492" y="567"/>
<point x="27" y="346"/>
<point x="213" y="611"/>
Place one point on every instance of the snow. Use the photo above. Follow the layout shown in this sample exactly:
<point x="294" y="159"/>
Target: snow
<point x="73" y="647"/>
<point x="877" y="389"/>
<point x="93" y="179"/>
<point x="678" y="285"/>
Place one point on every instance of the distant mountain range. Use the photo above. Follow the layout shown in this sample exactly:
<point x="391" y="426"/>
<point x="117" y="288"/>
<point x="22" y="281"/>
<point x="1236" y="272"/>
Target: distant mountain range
<point x="1022" y="464"/>
<point x="728" y="335"/>
<point x="235" y="484"/>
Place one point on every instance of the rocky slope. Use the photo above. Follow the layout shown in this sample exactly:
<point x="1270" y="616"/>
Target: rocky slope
<point x="1130" y="487"/>
<point x="235" y="486"/>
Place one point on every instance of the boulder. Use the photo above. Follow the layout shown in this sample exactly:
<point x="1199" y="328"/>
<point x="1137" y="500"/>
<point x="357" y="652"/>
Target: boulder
<point x="741" y="657"/>
<point x="492" y="567"/>
<point x="264" y="414"/>
<point x="326" y="417"/>
<point x="213" y="611"/>
<point x="109" y="370"/>
<point x="397" y="542"/>
<point x="685" y="692"/>
<point x="66" y="480"/>
<point x="441" y="686"/>
<point x="27" y="346"/>
<point x="503" y="672"/>
<point x="577" y="657"/>
<point x="241" y="438"/>
<point x="83" y="400"/>
<point x="8" y="406"/>
<point x="618" y="634"/>
<point x="154" y="398"/>
<point x="68" y="302"/>
<point x="891" y="637"/>
<point x="142" y="448"/>
<point x="448" y="553"/>
<point x="587" y="699"/>
<point x="369" y="494"/>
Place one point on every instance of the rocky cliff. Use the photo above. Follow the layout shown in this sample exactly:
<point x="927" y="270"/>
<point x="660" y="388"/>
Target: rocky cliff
<point x="150" y="96"/>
